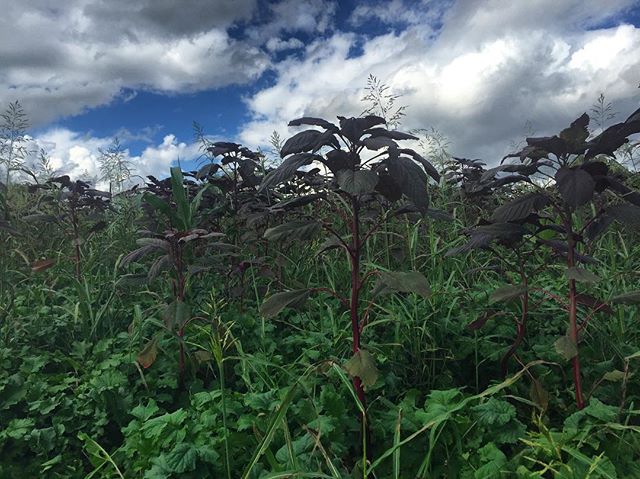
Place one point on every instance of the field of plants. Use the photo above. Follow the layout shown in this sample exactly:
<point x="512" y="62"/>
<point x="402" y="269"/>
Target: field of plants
<point x="354" y="310"/>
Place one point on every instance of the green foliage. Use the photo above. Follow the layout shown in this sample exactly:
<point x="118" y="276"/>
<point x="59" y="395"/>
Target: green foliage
<point x="276" y="340"/>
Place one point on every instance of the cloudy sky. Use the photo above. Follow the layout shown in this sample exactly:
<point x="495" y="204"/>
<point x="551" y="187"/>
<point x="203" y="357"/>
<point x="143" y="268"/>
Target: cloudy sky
<point x="485" y="73"/>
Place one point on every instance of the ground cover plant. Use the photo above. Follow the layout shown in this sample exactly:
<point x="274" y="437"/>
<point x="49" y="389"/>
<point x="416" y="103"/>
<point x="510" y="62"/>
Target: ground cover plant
<point x="350" y="311"/>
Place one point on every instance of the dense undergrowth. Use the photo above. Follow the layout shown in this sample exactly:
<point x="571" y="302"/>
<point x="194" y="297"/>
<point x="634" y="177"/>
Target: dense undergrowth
<point x="139" y="342"/>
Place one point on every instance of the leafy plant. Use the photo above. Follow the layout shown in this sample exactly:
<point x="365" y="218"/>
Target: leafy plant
<point x="555" y="209"/>
<point x="174" y="247"/>
<point x="354" y="185"/>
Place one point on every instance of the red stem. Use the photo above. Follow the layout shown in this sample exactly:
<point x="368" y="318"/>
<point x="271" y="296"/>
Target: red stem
<point x="573" y="313"/>
<point x="355" y="319"/>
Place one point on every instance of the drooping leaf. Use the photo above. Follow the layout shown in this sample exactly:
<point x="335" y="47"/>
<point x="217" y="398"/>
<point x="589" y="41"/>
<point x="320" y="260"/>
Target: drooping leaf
<point x="287" y="169"/>
<point x="137" y="254"/>
<point x="507" y="293"/>
<point x="42" y="265"/>
<point x="428" y="167"/>
<point x="273" y="305"/>
<point x="176" y="314"/>
<point x="403" y="282"/>
<point x="478" y="323"/>
<point x="158" y="266"/>
<point x="363" y="366"/>
<point x="566" y="347"/>
<point x="632" y="297"/>
<point x="581" y="275"/>
<point x="161" y="206"/>
<point x="593" y="303"/>
<point x="296" y="202"/>
<point x="299" y="230"/>
<point x="627" y="214"/>
<point x="575" y="185"/>
<point x="614" y="376"/>
<point x="539" y="394"/>
<point x="40" y="217"/>
<point x="613" y="138"/>
<point x="411" y="180"/>
<point x="519" y="208"/>
<point x="359" y="182"/>
<point x="148" y="355"/>
<point x="300" y="142"/>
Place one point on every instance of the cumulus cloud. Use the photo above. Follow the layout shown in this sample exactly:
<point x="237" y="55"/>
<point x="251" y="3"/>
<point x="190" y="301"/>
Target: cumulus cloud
<point x="77" y="155"/>
<point x="61" y="58"/>
<point x="493" y="67"/>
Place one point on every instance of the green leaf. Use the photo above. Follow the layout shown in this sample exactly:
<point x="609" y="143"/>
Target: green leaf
<point x="581" y="275"/>
<point x="177" y="313"/>
<point x="566" y="348"/>
<point x="179" y="195"/>
<point x="182" y="458"/>
<point x="363" y="366"/>
<point x="403" y="282"/>
<point x="632" y="297"/>
<point x="356" y="183"/>
<point x="614" y="376"/>
<point x="299" y="230"/>
<point x="507" y="293"/>
<point x="161" y="207"/>
<point x="273" y="305"/>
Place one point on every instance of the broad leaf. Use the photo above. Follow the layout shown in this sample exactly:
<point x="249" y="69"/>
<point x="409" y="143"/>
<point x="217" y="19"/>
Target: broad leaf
<point x="411" y="180"/>
<point x="378" y="142"/>
<point x="148" y="355"/>
<point x="287" y="169"/>
<point x="360" y="182"/>
<point x="575" y="185"/>
<point x="428" y="167"/>
<point x="519" y="208"/>
<point x="403" y="282"/>
<point x="300" y="142"/>
<point x="507" y="293"/>
<point x="273" y="305"/>
<point x="581" y="275"/>
<point x="299" y="230"/>
<point x="353" y="128"/>
<point x="626" y="214"/>
<point x="566" y="347"/>
<point x="363" y="366"/>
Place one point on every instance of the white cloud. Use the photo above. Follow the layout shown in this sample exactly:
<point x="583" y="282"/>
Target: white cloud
<point x="77" y="155"/>
<point x="60" y="58"/>
<point x="493" y="66"/>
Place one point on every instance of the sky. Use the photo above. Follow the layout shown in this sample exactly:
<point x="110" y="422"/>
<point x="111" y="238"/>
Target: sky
<point x="483" y="73"/>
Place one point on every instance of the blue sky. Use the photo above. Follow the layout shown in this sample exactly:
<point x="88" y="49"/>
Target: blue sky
<point x="484" y="73"/>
